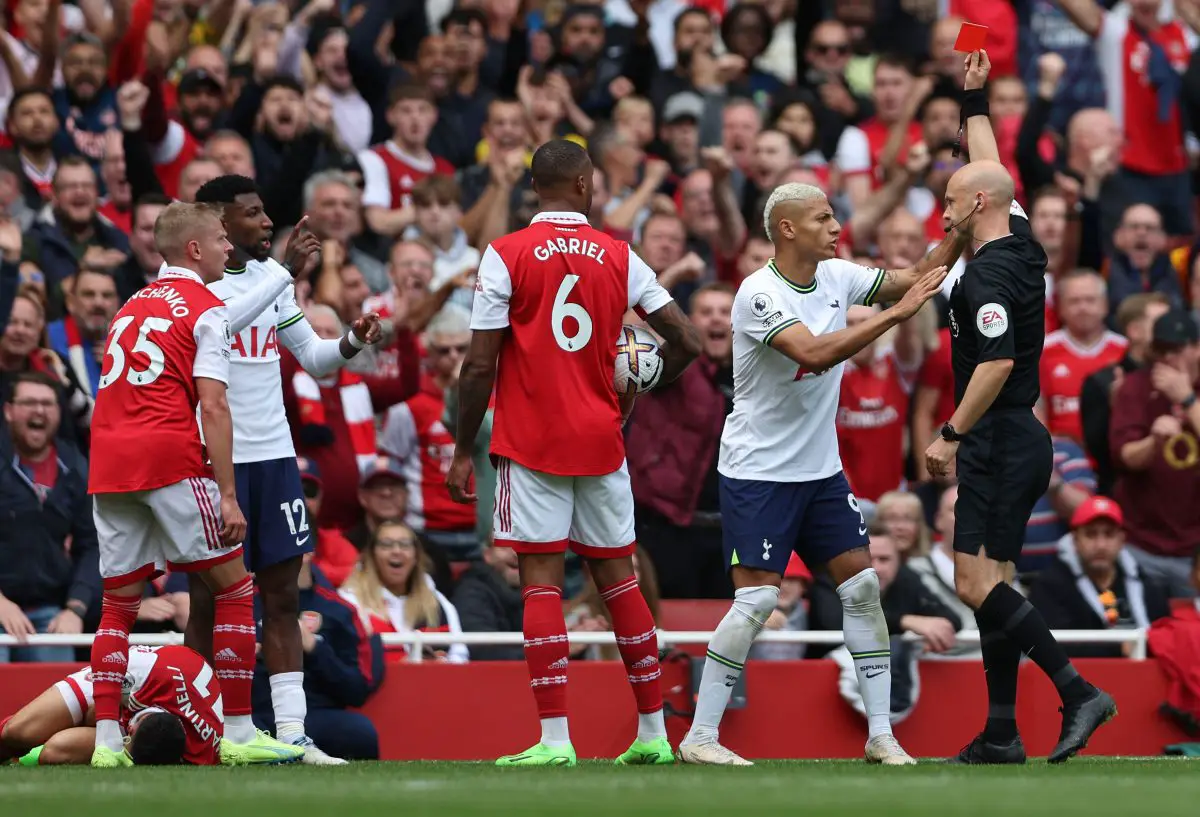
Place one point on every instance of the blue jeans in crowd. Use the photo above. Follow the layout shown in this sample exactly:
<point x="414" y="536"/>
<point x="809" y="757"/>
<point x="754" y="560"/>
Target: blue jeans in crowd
<point x="40" y="618"/>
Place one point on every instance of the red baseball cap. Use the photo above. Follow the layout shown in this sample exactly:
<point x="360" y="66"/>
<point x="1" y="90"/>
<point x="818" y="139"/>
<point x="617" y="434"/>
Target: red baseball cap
<point x="796" y="569"/>
<point x="1097" y="507"/>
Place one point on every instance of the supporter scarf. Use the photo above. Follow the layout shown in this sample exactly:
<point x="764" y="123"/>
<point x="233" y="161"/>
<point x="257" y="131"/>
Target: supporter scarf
<point x="357" y="410"/>
<point x="80" y="358"/>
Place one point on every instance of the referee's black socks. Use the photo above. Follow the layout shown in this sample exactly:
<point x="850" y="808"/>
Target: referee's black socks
<point x="1001" y="660"/>
<point x="1008" y="611"/>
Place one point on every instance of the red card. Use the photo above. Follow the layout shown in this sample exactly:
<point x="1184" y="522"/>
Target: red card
<point x="971" y="37"/>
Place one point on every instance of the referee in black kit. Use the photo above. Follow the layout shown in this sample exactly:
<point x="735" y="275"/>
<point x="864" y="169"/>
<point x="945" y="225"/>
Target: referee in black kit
<point x="1004" y="455"/>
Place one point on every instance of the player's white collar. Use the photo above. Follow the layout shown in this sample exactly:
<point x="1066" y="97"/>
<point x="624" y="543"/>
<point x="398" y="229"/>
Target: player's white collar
<point x="572" y="218"/>
<point x="166" y="272"/>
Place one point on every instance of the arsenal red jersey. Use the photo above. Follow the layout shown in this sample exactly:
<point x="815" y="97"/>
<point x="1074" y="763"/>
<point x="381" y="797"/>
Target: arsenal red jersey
<point x="390" y="174"/>
<point x="1065" y="365"/>
<point x="1153" y="144"/>
<point x="562" y="288"/>
<point x="871" y="417"/>
<point x="177" y="680"/>
<point x="877" y="135"/>
<point x="414" y="434"/>
<point x="144" y="429"/>
<point x="937" y="373"/>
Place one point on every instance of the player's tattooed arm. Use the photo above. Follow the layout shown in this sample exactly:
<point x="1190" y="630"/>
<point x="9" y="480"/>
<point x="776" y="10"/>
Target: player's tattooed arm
<point x="475" y="383"/>
<point x="682" y="340"/>
<point x="898" y="281"/>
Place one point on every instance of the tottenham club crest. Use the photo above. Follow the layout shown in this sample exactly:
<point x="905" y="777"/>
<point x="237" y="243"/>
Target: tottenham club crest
<point x="761" y="304"/>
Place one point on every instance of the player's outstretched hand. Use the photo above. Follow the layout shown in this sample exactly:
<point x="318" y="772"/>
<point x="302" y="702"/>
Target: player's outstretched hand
<point x="458" y="480"/>
<point x="926" y="287"/>
<point x="302" y="251"/>
<point x="233" y="524"/>
<point x="368" y="328"/>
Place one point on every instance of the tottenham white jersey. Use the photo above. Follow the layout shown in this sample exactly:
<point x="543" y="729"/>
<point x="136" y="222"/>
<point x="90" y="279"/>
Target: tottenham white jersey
<point x="260" y="427"/>
<point x="782" y="428"/>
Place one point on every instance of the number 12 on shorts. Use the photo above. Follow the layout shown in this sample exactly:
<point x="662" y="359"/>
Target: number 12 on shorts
<point x="296" y="514"/>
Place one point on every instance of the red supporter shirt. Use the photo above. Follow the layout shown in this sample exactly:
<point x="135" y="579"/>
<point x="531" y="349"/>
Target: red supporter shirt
<point x="390" y="174"/>
<point x="144" y="429"/>
<point x="178" y="680"/>
<point x="562" y="288"/>
<point x="871" y="417"/>
<point x="414" y="434"/>
<point x="1065" y="365"/>
<point x="877" y="136"/>
<point x="175" y="152"/>
<point x="1151" y="146"/>
<point x="937" y="373"/>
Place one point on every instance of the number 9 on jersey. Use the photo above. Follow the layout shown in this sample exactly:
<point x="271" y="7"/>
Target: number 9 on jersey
<point x="639" y="361"/>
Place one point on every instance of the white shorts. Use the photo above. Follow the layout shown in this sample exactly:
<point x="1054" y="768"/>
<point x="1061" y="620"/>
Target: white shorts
<point x="142" y="533"/>
<point x="76" y="692"/>
<point x="538" y="512"/>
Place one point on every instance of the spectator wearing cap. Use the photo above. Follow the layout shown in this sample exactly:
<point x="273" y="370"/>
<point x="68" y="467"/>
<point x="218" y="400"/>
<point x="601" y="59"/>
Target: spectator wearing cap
<point x="382" y="495"/>
<point x="85" y="104"/>
<point x="324" y="39"/>
<point x="680" y="131"/>
<point x="334" y="555"/>
<point x="1155" y="442"/>
<point x="201" y="97"/>
<point x="333" y="422"/>
<point x="789" y="616"/>
<point x="415" y="434"/>
<point x="1135" y="320"/>
<point x="1140" y="262"/>
<point x="343" y="667"/>
<point x="1095" y="583"/>
<point x="49" y="569"/>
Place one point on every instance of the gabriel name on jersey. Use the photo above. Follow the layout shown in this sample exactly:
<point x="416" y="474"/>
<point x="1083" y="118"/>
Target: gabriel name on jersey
<point x="782" y="428"/>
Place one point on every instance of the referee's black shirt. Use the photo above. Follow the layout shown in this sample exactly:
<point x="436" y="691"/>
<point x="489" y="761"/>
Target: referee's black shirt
<point x="998" y="312"/>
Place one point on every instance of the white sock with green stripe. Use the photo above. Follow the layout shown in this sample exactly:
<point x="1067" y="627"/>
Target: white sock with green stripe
<point x="727" y="653"/>
<point x="866" y="633"/>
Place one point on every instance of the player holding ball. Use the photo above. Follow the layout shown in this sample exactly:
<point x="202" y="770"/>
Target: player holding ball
<point x="548" y="308"/>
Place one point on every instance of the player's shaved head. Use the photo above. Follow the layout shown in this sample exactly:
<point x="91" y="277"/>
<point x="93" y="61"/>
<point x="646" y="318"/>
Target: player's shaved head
<point x="562" y="175"/>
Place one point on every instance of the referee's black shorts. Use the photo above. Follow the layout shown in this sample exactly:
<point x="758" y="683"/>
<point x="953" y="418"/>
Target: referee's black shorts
<point x="1004" y="467"/>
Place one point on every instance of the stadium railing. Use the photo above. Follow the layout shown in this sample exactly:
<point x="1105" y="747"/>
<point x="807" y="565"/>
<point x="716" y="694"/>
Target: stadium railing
<point x="416" y="641"/>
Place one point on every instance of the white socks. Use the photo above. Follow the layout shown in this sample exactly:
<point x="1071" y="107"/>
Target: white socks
<point x="554" y="732"/>
<point x="866" y="634"/>
<point x="108" y="735"/>
<point x="651" y="726"/>
<point x="287" y="699"/>
<point x="240" y="729"/>
<point x="727" y="653"/>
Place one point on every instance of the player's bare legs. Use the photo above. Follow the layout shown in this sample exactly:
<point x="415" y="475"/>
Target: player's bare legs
<point x="755" y="595"/>
<point x="637" y="641"/>
<point x="199" y="631"/>
<point x="110" y="660"/>
<point x="35" y="723"/>
<point x="70" y="747"/>
<point x="865" y="630"/>
<point x="546" y="655"/>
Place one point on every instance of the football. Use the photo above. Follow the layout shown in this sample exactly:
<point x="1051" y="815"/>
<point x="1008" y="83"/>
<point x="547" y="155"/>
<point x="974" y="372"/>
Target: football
<point x="639" y="361"/>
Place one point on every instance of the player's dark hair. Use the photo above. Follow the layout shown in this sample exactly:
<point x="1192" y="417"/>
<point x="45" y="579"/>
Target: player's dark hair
<point x="159" y="740"/>
<point x="283" y="81"/>
<point x="15" y="101"/>
<point x="558" y="163"/>
<point x="225" y="189"/>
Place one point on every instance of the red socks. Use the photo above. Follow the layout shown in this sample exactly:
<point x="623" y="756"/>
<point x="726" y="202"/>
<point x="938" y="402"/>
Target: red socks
<point x="110" y="653"/>
<point x="233" y="645"/>
<point x="546" y="649"/>
<point x="637" y="639"/>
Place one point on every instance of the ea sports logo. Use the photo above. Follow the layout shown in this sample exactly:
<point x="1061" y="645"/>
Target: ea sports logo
<point x="991" y="320"/>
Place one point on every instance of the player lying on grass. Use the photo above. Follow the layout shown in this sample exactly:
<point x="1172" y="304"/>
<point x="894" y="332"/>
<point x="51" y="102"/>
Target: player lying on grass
<point x="170" y="709"/>
<point x="781" y="481"/>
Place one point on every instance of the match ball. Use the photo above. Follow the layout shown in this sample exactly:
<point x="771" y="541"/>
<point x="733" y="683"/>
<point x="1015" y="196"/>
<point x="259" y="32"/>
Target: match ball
<point x="639" y="361"/>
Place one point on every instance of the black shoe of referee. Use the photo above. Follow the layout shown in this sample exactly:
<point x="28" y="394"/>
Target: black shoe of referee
<point x="980" y="752"/>
<point x="1080" y="720"/>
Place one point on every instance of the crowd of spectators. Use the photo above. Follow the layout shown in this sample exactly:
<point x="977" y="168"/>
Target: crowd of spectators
<point x="404" y="132"/>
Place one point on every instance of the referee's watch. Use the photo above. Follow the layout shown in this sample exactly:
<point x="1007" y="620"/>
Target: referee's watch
<point x="949" y="434"/>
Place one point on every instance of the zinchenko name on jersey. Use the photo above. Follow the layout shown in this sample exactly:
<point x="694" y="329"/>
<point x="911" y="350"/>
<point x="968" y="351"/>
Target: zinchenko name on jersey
<point x="179" y="307"/>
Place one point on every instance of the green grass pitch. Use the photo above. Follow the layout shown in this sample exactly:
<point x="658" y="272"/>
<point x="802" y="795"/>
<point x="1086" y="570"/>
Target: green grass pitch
<point x="1084" y="787"/>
